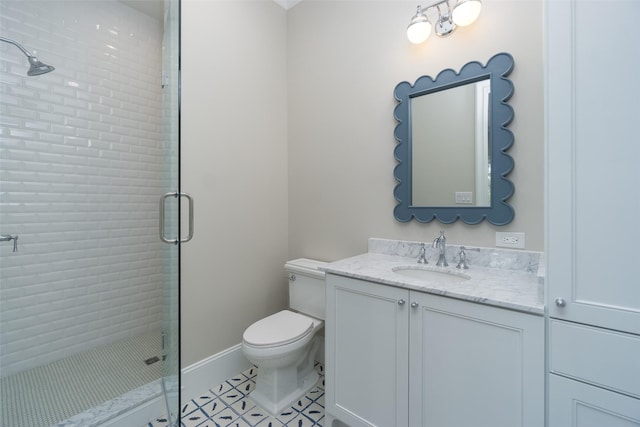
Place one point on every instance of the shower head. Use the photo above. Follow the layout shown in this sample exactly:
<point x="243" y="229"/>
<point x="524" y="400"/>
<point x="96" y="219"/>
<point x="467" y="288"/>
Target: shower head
<point x="37" y="67"/>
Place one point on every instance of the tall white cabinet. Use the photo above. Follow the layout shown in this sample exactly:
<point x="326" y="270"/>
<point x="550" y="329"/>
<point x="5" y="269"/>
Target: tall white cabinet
<point x="593" y="212"/>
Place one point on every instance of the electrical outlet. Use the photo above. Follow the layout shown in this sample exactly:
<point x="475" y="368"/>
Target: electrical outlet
<point x="510" y="240"/>
<point x="464" y="197"/>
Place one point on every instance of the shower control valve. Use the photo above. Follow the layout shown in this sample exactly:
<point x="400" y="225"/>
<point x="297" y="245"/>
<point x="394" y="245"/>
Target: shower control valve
<point x="8" y="238"/>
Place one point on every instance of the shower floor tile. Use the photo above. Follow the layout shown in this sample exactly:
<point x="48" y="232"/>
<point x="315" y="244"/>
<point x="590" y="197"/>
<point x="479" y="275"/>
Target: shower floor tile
<point x="83" y="389"/>
<point x="228" y="405"/>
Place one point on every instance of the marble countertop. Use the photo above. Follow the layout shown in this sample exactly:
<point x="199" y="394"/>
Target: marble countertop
<point x="502" y="278"/>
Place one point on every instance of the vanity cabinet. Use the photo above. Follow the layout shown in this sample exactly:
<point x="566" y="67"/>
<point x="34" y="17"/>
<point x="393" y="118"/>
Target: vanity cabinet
<point x="592" y="231"/>
<point x="366" y="353"/>
<point x="398" y="357"/>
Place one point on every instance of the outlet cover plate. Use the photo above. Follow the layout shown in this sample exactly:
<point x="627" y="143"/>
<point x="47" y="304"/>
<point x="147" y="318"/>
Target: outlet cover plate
<point x="513" y="240"/>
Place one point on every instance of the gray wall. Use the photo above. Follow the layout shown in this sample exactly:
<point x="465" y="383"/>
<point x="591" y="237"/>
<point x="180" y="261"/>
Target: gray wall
<point x="287" y="141"/>
<point x="234" y="162"/>
<point x="345" y="58"/>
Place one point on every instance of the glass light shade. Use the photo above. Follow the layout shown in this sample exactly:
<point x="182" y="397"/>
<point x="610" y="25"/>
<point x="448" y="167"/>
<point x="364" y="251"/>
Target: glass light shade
<point x="466" y="12"/>
<point x="419" y="29"/>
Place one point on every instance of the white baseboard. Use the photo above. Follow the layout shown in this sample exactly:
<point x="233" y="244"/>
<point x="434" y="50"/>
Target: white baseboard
<point x="203" y="375"/>
<point x="207" y="373"/>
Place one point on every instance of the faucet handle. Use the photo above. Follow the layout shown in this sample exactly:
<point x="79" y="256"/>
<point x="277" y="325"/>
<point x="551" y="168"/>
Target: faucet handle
<point x="422" y="258"/>
<point x="462" y="257"/>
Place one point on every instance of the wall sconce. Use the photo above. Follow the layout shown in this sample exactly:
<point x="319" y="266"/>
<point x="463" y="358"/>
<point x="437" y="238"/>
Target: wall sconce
<point x="463" y="13"/>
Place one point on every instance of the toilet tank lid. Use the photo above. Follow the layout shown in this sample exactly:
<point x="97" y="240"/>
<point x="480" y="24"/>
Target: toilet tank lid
<point x="306" y="266"/>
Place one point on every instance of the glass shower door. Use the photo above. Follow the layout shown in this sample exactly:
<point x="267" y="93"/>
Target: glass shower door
<point x="169" y="213"/>
<point x="89" y="293"/>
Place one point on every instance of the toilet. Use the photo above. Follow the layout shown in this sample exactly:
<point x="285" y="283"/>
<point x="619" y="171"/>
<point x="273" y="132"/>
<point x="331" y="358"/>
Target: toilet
<point x="283" y="346"/>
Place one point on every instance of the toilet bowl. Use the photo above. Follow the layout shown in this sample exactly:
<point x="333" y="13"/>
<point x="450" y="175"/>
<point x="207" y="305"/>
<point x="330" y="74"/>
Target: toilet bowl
<point x="284" y="345"/>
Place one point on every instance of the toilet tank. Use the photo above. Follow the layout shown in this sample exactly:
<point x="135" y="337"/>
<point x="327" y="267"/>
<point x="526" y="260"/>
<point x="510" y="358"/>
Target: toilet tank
<point x="306" y="286"/>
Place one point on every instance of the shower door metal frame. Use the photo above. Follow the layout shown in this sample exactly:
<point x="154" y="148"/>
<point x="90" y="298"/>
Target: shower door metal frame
<point x="171" y="380"/>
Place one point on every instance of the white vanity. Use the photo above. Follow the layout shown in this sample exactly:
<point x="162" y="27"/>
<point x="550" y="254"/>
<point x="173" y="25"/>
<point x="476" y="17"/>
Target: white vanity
<point x="438" y="350"/>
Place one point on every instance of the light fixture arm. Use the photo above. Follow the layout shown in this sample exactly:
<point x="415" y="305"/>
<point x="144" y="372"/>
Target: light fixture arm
<point x="445" y="24"/>
<point x="437" y="6"/>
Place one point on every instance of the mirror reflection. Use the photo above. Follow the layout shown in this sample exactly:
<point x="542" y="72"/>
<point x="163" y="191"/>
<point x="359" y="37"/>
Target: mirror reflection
<point x="450" y="132"/>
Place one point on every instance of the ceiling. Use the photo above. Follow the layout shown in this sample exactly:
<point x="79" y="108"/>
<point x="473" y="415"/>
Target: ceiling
<point x="155" y="8"/>
<point x="287" y="4"/>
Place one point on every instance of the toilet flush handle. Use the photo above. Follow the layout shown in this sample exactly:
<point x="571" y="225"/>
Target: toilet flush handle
<point x="292" y="277"/>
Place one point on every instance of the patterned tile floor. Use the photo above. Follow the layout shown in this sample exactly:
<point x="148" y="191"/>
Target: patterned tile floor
<point x="228" y="404"/>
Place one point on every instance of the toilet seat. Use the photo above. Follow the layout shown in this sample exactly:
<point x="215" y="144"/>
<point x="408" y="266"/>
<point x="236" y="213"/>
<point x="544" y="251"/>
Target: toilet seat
<point x="278" y="329"/>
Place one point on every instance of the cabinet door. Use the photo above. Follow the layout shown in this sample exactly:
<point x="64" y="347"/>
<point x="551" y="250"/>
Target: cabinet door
<point x="366" y="353"/>
<point x="592" y="148"/>
<point x="572" y="403"/>
<point x="474" y="365"/>
<point x="598" y="356"/>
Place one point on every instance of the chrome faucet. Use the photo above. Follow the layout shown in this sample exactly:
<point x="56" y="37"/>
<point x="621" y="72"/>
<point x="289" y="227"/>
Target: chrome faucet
<point x="422" y="258"/>
<point x="441" y="244"/>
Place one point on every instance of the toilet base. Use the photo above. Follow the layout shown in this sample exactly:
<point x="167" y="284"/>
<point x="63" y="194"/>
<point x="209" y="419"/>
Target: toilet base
<point x="277" y="389"/>
<point x="276" y="407"/>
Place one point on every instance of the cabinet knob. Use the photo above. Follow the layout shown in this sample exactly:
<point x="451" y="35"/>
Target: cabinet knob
<point x="401" y="302"/>
<point x="560" y="302"/>
<point x="414" y="304"/>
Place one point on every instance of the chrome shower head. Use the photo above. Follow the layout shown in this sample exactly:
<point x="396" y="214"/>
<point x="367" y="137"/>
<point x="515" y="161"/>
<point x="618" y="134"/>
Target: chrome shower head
<point x="37" y="67"/>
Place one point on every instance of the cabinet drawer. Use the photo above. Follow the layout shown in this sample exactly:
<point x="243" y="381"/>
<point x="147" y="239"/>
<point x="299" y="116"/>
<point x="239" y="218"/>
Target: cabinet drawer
<point x="598" y="356"/>
<point x="572" y="403"/>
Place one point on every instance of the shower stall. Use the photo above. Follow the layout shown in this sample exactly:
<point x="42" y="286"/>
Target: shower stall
<point x="89" y="194"/>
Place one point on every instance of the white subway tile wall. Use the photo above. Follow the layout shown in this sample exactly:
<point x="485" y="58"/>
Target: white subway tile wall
<point x="81" y="163"/>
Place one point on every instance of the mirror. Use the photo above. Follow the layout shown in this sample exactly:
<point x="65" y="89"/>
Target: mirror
<point x="452" y="143"/>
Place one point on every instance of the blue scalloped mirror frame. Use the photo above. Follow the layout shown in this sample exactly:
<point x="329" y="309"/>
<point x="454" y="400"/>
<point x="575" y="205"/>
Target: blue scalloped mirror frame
<point x="499" y="212"/>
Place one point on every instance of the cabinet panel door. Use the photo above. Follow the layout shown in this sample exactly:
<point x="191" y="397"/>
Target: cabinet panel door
<point x="366" y="352"/>
<point x="575" y="404"/>
<point x="474" y="365"/>
<point x="599" y="356"/>
<point x="592" y="154"/>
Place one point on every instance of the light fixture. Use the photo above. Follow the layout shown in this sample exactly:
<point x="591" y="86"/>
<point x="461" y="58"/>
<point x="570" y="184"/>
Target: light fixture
<point x="466" y="12"/>
<point x="419" y="28"/>
<point x="463" y="13"/>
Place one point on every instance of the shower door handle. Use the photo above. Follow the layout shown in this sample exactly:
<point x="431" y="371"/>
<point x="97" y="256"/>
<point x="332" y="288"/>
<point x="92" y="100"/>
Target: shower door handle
<point x="177" y="195"/>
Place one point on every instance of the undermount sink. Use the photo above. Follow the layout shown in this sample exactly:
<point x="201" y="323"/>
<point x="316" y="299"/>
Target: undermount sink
<point x="431" y="274"/>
